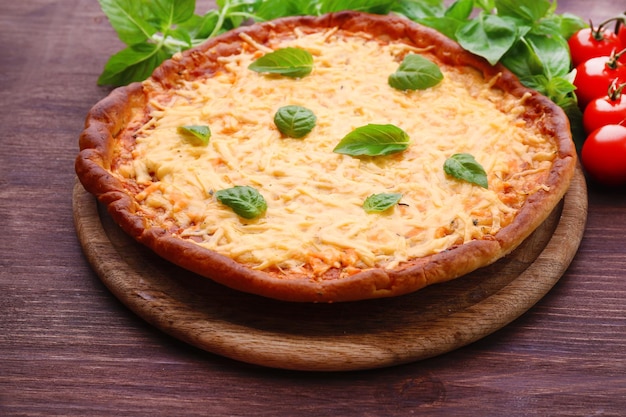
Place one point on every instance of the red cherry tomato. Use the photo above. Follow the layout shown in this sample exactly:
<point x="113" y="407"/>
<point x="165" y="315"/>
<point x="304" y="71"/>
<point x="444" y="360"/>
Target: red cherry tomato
<point x="594" y="76"/>
<point x="620" y="29"/>
<point x="621" y="32"/>
<point x="604" y="155"/>
<point x="607" y="110"/>
<point x="592" y="42"/>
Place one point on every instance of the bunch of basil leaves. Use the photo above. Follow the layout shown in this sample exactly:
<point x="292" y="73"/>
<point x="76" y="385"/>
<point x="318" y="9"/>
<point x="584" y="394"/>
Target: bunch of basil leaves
<point x="528" y="37"/>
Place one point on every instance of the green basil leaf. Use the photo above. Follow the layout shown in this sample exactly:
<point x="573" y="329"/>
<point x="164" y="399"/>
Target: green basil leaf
<point x="415" y="73"/>
<point x="180" y="39"/>
<point x="487" y="35"/>
<point x="569" y="24"/>
<point x="522" y="60"/>
<point x="377" y="203"/>
<point x="273" y="9"/>
<point x="416" y="10"/>
<point x="290" y="62"/>
<point x="548" y="26"/>
<point x="128" y="20"/>
<point x="245" y="201"/>
<point x="169" y="12"/>
<point x="368" y="6"/>
<point x="134" y="63"/>
<point x="460" y="10"/>
<point x="199" y="134"/>
<point x="529" y="11"/>
<point x="235" y="12"/>
<point x="373" y="140"/>
<point x="295" y="121"/>
<point x="464" y="167"/>
<point x="560" y="88"/>
<point x="541" y="63"/>
<point x="553" y="52"/>
<point x="486" y="5"/>
<point x="201" y="27"/>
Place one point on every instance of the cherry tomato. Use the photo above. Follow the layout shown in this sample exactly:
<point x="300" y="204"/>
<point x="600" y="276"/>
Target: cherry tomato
<point x="594" y="76"/>
<point x="604" y="155"/>
<point x="592" y="42"/>
<point x="621" y="31"/>
<point x="607" y="110"/>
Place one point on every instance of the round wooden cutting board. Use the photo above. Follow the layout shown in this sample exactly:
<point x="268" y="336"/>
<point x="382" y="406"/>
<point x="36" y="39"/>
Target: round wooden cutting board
<point x="331" y="337"/>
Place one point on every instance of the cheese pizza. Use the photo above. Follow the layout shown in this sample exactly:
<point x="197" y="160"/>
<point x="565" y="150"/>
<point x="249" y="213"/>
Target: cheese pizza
<point x="322" y="159"/>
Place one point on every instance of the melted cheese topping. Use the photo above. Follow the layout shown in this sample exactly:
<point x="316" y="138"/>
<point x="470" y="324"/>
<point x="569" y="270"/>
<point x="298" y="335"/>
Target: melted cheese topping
<point x="315" y="221"/>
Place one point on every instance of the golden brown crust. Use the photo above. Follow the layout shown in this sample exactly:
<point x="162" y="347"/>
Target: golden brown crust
<point x="108" y="118"/>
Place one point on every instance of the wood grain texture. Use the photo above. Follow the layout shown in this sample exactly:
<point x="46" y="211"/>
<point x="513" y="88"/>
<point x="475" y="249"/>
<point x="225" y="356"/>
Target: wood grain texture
<point x="336" y="337"/>
<point x="68" y="347"/>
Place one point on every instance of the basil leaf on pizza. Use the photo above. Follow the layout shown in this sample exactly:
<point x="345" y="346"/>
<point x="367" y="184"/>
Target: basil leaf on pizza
<point x="373" y="140"/>
<point x="289" y="61"/>
<point x="415" y="73"/>
<point x="244" y="200"/>
<point x="377" y="203"/>
<point x="295" y="121"/>
<point x="198" y="134"/>
<point x="464" y="166"/>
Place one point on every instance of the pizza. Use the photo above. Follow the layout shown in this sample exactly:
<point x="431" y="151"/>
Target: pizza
<point x="324" y="159"/>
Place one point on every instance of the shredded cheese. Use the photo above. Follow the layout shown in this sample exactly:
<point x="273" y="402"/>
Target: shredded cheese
<point x="315" y="220"/>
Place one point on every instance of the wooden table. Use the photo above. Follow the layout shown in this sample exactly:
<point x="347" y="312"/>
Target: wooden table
<point x="68" y="347"/>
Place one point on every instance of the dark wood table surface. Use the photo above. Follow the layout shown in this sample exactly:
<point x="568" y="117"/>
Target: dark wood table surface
<point x="68" y="347"/>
